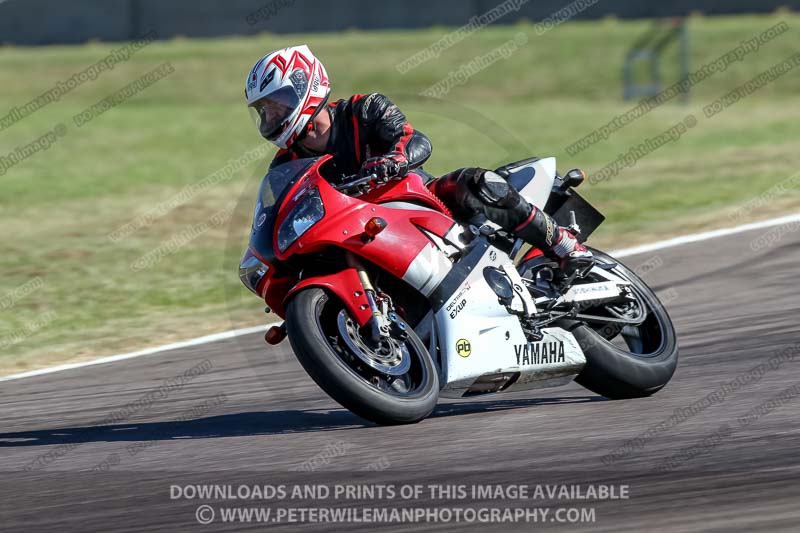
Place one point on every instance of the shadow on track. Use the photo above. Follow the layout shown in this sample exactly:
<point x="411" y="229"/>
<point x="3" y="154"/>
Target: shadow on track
<point x="250" y="424"/>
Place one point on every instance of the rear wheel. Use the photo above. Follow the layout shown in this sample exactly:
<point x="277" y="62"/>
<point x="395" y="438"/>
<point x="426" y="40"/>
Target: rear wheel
<point x="394" y="382"/>
<point x="628" y="361"/>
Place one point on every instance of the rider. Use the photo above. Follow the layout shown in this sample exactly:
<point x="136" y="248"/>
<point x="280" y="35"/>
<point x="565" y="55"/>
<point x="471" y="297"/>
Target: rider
<point x="287" y="92"/>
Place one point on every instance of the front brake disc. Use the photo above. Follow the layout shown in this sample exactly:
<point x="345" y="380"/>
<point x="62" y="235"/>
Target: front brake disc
<point x="390" y="358"/>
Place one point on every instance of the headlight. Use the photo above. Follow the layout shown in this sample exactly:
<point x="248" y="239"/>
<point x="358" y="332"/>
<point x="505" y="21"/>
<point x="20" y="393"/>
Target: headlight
<point x="252" y="271"/>
<point x="306" y="213"/>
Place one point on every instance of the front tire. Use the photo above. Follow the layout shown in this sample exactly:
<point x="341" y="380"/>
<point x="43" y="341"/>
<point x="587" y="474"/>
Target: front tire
<point x="314" y="326"/>
<point x="650" y="358"/>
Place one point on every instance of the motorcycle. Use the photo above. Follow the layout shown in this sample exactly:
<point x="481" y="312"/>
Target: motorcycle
<point x="390" y="303"/>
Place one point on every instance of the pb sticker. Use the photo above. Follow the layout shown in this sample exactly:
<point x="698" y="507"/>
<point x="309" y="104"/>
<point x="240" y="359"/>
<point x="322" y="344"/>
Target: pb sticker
<point x="463" y="347"/>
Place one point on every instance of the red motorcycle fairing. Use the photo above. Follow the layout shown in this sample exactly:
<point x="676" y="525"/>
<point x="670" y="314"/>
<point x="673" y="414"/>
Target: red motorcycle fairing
<point x="410" y="189"/>
<point x="394" y="249"/>
<point x="342" y="285"/>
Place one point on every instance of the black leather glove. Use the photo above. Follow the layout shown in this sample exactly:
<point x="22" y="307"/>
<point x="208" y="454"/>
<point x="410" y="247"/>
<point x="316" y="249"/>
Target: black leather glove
<point x="391" y="165"/>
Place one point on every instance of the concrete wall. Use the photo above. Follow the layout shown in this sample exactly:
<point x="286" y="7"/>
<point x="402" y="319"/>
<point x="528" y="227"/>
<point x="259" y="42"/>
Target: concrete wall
<point x="40" y="22"/>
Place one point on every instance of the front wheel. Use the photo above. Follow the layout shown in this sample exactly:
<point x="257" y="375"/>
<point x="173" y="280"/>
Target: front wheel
<point x="628" y="361"/>
<point x="393" y="383"/>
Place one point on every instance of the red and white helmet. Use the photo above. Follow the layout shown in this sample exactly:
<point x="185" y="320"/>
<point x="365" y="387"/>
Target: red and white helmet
<point x="284" y="90"/>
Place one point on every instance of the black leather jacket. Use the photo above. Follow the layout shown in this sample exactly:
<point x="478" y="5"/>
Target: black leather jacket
<point x="365" y="126"/>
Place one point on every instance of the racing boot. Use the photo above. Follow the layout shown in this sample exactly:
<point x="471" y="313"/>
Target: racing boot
<point x="555" y="242"/>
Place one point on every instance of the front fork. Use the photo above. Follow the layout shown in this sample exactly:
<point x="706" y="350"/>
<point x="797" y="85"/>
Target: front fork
<point x="379" y="326"/>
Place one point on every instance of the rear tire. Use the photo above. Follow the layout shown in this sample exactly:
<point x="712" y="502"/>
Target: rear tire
<point x="619" y="374"/>
<point x="309" y="330"/>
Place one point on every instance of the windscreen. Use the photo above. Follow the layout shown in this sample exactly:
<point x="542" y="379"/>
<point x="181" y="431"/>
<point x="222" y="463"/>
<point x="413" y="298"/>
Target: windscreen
<point x="280" y="177"/>
<point x="273" y="188"/>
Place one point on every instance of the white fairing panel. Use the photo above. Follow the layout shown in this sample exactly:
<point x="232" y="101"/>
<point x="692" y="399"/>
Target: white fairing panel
<point x="480" y="339"/>
<point x="472" y="325"/>
<point x="428" y="269"/>
<point x="537" y="190"/>
<point x="553" y="361"/>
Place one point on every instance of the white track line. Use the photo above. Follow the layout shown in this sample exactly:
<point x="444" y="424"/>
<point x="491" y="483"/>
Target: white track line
<point x="149" y="351"/>
<point x="660" y="245"/>
<point x="706" y="235"/>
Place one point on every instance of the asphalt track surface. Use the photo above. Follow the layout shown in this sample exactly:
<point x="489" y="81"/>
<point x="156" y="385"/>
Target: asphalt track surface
<point x="251" y="416"/>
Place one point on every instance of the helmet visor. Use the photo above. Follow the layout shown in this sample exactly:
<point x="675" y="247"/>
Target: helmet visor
<point x="271" y="111"/>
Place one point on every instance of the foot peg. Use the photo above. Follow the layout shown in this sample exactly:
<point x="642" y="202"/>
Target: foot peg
<point x="577" y="264"/>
